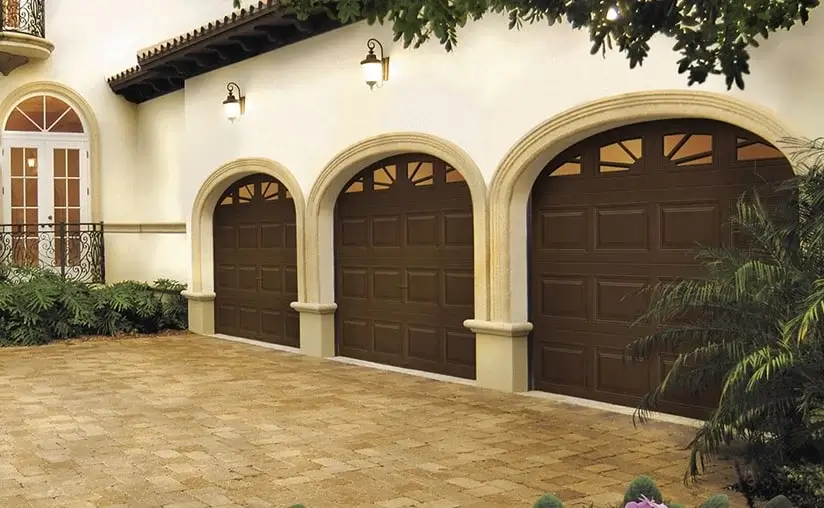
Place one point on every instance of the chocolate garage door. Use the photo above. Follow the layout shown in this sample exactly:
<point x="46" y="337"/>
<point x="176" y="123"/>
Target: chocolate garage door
<point x="404" y="266"/>
<point x="256" y="262"/>
<point x="612" y="214"/>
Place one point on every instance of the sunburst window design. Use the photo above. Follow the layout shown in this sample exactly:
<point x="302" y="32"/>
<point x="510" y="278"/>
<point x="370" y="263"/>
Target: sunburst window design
<point x="420" y="173"/>
<point x="750" y="150"/>
<point x="571" y="167"/>
<point x="453" y="175"/>
<point x="620" y="156"/>
<point x="242" y="193"/>
<point x="688" y="149"/>
<point x="355" y="185"/>
<point x="384" y="177"/>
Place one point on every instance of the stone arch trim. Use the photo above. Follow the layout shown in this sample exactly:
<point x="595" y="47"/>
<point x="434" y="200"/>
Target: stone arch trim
<point x="348" y="163"/>
<point x="512" y="182"/>
<point x="87" y="116"/>
<point x="203" y="208"/>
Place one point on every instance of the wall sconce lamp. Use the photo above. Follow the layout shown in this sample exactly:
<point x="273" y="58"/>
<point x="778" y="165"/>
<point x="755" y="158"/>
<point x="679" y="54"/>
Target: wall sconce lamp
<point x="233" y="106"/>
<point x="375" y="70"/>
<point x="31" y="162"/>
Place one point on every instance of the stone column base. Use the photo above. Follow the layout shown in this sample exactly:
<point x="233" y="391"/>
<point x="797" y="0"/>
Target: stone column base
<point x="502" y="354"/>
<point x="201" y="312"/>
<point x="317" y="328"/>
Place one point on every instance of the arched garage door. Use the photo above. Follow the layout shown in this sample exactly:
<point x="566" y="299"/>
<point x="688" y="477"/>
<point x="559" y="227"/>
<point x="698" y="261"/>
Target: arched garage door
<point x="404" y="266"/>
<point x="255" y="261"/>
<point x="613" y="213"/>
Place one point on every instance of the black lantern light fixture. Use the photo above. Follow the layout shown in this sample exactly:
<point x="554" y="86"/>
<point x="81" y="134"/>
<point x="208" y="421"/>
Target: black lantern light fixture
<point x="234" y="107"/>
<point x="375" y="69"/>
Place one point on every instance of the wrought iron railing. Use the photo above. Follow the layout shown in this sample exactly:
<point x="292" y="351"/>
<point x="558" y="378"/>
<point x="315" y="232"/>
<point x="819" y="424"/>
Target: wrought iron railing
<point x="23" y="16"/>
<point x="74" y="250"/>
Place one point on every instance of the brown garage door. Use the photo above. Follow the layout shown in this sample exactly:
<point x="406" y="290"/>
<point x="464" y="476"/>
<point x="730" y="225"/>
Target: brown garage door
<point x="256" y="262"/>
<point x="404" y="268"/>
<point x="617" y="212"/>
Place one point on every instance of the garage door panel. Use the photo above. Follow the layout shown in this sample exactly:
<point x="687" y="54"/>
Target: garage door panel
<point x="291" y="280"/>
<point x="354" y="282"/>
<point x="247" y="236"/>
<point x="417" y="254"/>
<point x="255" y="260"/>
<point x="356" y="334"/>
<point x="619" y="375"/>
<point x="388" y="337"/>
<point x="622" y="227"/>
<point x="598" y="238"/>
<point x="386" y="231"/>
<point x="247" y="277"/>
<point x="421" y="229"/>
<point x="685" y="225"/>
<point x="225" y="237"/>
<point x="292" y="326"/>
<point x="272" y="235"/>
<point x="271" y="279"/>
<point x="291" y="231"/>
<point x="272" y="322"/>
<point x="563" y="364"/>
<point x="226" y="314"/>
<point x="226" y="276"/>
<point x="617" y="300"/>
<point x="423" y="286"/>
<point x="353" y="232"/>
<point x="249" y="321"/>
<point x="564" y="229"/>
<point x="425" y="343"/>
<point x="458" y="229"/>
<point x="459" y="288"/>
<point x="460" y="347"/>
<point x="563" y="297"/>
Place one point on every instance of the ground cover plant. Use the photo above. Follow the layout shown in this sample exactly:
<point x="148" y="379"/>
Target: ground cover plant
<point x="38" y="306"/>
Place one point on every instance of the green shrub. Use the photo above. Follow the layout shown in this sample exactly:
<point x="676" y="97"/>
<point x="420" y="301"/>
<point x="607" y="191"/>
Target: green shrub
<point x="801" y="484"/>
<point x="753" y="328"/>
<point x="643" y="486"/>
<point x="716" y="501"/>
<point x="38" y="306"/>
<point x="779" y="502"/>
<point x="548" y="501"/>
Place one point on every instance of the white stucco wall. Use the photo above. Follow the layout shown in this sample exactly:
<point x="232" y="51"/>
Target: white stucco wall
<point x="307" y="102"/>
<point x="94" y="39"/>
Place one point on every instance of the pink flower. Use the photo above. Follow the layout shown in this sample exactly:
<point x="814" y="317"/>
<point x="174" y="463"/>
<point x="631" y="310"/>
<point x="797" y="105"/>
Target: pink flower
<point x="644" y="503"/>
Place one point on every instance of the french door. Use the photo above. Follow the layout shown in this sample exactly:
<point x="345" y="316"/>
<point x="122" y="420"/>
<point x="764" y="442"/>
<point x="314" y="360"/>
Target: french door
<point x="45" y="196"/>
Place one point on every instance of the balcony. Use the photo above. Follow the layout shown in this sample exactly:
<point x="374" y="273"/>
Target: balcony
<point x="73" y="250"/>
<point x="22" y="33"/>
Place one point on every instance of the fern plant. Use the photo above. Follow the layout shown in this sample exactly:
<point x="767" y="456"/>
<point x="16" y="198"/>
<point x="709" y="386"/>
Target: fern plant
<point x="753" y="326"/>
<point x="38" y="306"/>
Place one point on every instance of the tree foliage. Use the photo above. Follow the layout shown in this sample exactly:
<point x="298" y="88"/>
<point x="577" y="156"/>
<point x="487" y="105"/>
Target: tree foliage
<point x="711" y="36"/>
<point x="754" y="327"/>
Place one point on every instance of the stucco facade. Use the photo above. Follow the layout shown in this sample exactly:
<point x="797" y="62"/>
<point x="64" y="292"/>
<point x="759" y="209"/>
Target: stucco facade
<point x="498" y="109"/>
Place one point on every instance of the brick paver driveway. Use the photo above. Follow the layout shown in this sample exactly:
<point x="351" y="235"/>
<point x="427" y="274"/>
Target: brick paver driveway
<point x="190" y="421"/>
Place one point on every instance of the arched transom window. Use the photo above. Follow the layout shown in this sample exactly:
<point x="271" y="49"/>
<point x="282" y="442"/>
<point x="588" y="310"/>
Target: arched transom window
<point x="45" y="172"/>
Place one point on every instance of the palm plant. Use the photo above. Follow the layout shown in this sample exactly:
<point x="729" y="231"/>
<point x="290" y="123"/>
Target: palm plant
<point x="754" y="326"/>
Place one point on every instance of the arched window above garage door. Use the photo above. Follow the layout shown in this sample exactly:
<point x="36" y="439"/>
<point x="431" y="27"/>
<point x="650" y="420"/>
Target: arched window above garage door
<point x="695" y="143"/>
<point x="415" y="171"/>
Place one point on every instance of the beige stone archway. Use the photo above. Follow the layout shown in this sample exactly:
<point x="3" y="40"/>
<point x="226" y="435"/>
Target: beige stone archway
<point x="87" y="116"/>
<point x="201" y="293"/>
<point x="317" y="311"/>
<point x="512" y="184"/>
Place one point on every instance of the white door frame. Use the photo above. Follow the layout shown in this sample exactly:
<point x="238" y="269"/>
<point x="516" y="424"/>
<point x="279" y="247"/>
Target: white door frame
<point x="46" y="143"/>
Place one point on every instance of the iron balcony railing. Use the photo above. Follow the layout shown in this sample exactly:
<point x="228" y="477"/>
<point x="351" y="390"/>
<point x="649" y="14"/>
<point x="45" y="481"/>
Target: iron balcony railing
<point x="74" y="250"/>
<point x="23" y="16"/>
